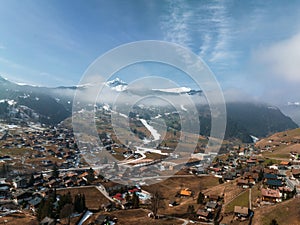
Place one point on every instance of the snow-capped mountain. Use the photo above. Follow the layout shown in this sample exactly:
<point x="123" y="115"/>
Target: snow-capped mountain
<point x="117" y="85"/>
<point x="23" y="103"/>
<point x="120" y="86"/>
<point x="26" y="103"/>
<point x="292" y="109"/>
<point x="179" y="90"/>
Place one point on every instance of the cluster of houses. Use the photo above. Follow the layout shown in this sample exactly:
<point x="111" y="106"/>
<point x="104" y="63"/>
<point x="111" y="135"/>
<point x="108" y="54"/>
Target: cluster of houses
<point x="273" y="144"/>
<point x="210" y="210"/>
<point x="280" y="183"/>
<point x="28" y="192"/>
<point x="246" y="168"/>
<point x="46" y="146"/>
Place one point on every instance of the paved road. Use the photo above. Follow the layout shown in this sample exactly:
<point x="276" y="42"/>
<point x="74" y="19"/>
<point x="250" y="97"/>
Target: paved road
<point x="250" y="203"/>
<point x="164" y="177"/>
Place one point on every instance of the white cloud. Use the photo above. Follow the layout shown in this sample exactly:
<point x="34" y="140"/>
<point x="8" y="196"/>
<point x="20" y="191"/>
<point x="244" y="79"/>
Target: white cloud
<point x="175" y="24"/>
<point x="223" y="26"/>
<point x="281" y="59"/>
<point x="205" y="45"/>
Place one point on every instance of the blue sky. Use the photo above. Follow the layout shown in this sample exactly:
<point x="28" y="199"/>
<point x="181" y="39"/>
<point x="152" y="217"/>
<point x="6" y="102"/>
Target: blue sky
<point x="252" y="46"/>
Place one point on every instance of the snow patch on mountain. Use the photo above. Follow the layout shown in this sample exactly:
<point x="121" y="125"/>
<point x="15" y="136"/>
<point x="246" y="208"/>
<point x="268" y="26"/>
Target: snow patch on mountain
<point x="255" y="139"/>
<point x="183" y="108"/>
<point x="24" y="84"/>
<point x="9" y="101"/>
<point x="153" y="132"/>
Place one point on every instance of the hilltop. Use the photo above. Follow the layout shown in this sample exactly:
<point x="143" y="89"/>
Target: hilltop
<point x="280" y="145"/>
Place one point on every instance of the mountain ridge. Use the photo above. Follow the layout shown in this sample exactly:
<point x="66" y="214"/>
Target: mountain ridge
<point x="53" y="105"/>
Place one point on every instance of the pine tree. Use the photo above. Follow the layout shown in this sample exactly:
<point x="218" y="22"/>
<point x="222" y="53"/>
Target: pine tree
<point x="274" y="222"/>
<point x="294" y="191"/>
<point x="45" y="209"/>
<point x="40" y="212"/>
<point x="91" y="175"/>
<point x="116" y="167"/>
<point x="66" y="212"/>
<point x="68" y="198"/>
<point x="135" y="201"/>
<point x="190" y="209"/>
<point x="79" y="203"/>
<point x="55" y="171"/>
<point x="76" y="203"/>
<point x="31" y="180"/>
<point x="260" y="175"/>
<point x="127" y="198"/>
<point x="83" y="202"/>
<point x="4" y="171"/>
<point x="156" y="202"/>
<point x="200" y="199"/>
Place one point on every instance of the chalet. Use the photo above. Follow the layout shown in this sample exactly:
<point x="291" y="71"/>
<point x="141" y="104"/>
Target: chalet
<point x="5" y="190"/>
<point x="214" y="198"/>
<point x="82" y="182"/>
<point x="282" y="173"/>
<point x="19" y="182"/>
<point x="241" y="212"/>
<point x="47" y="221"/>
<point x="22" y="196"/>
<point x="274" y="183"/>
<point x="52" y="183"/>
<point x="38" y="148"/>
<point x="134" y="190"/>
<point x="260" y="160"/>
<point x="272" y="171"/>
<point x="5" y="158"/>
<point x="295" y="155"/>
<point x="270" y="195"/>
<point x="251" y="162"/>
<point x="204" y="215"/>
<point x="105" y="219"/>
<point x="83" y="175"/>
<point x="185" y="192"/>
<point x="69" y="183"/>
<point x="296" y="173"/>
<point x="270" y="176"/>
<point x="211" y="206"/>
<point x="285" y="163"/>
<point x="215" y="170"/>
<point x="47" y="163"/>
<point x="173" y="203"/>
<point x="251" y="176"/>
<point x="35" y="201"/>
<point x="244" y="183"/>
<point x="230" y="175"/>
<point x="118" y="197"/>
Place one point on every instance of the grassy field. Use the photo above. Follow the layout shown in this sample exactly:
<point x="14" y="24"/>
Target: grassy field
<point x="241" y="200"/>
<point x="287" y="212"/>
<point x="278" y="147"/>
<point x="171" y="186"/>
<point x="136" y="217"/>
<point x="19" y="218"/>
<point x="255" y="194"/>
<point x="93" y="198"/>
<point x="229" y="189"/>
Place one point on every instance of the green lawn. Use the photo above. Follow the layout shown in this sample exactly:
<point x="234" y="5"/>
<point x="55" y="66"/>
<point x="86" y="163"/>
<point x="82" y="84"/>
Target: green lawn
<point x="241" y="200"/>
